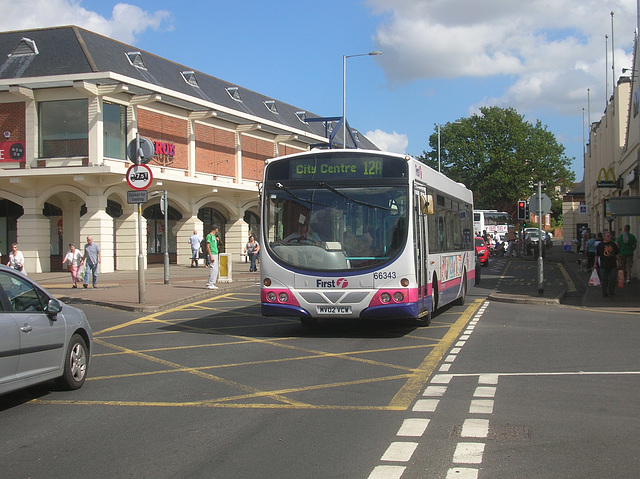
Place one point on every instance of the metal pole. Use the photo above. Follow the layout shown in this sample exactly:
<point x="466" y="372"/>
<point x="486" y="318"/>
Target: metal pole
<point x="344" y="100"/>
<point x="166" y="237"/>
<point x="438" y="148"/>
<point x="540" y="243"/>
<point x="141" y="286"/>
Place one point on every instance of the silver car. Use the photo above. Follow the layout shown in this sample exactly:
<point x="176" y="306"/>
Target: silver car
<point x="41" y="338"/>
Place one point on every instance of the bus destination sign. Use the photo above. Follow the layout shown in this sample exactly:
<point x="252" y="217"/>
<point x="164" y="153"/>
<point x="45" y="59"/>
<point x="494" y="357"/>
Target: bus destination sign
<point x="336" y="167"/>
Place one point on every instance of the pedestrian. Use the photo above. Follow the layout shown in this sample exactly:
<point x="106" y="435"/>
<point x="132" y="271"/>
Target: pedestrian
<point x="195" y="241"/>
<point x="91" y="259"/>
<point x="590" y="246"/>
<point x="211" y="245"/>
<point x="73" y="258"/>
<point x="608" y="255"/>
<point x="16" y="259"/>
<point x="627" y="244"/>
<point x="251" y="249"/>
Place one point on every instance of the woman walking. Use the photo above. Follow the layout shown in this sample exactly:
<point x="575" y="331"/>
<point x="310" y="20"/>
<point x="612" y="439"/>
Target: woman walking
<point x="73" y="258"/>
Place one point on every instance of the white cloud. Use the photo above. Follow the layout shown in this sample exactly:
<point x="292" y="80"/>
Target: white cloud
<point x="392" y="142"/>
<point x="126" y="22"/>
<point x="549" y="52"/>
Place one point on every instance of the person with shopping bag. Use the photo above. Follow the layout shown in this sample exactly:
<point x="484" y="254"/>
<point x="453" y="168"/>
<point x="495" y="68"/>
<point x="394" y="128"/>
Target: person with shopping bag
<point x="608" y="263"/>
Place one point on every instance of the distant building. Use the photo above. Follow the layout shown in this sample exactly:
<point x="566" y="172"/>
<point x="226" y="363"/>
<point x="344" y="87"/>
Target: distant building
<point x="71" y="101"/>
<point x="612" y="161"/>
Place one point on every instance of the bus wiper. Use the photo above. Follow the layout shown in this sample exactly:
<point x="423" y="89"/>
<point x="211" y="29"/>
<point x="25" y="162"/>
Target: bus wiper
<point x="347" y="197"/>
<point x="280" y="186"/>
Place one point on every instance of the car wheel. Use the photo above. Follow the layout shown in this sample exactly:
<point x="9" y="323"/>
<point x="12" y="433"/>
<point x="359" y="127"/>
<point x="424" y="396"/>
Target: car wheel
<point x="75" y="364"/>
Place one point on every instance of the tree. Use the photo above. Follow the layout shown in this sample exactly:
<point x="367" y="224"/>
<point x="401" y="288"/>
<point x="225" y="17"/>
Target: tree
<point x="501" y="157"/>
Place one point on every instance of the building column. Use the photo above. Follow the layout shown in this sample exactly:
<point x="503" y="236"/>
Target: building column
<point x="33" y="226"/>
<point x="237" y="235"/>
<point x="126" y="236"/>
<point x="183" y="231"/>
<point x="99" y="225"/>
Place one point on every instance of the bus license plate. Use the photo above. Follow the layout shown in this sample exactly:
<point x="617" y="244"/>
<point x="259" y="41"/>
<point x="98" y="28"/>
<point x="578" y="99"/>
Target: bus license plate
<point x="334" y="309"/>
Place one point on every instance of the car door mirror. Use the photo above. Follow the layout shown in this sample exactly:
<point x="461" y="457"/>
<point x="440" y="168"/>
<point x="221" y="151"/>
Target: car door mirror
<point x="53" y="308"/>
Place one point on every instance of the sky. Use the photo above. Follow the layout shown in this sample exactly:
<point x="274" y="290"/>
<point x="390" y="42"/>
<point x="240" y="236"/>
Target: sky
<point x="551" y="60"/>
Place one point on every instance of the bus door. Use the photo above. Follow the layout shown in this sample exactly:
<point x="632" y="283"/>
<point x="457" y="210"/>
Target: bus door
<point x="420" y="244"/>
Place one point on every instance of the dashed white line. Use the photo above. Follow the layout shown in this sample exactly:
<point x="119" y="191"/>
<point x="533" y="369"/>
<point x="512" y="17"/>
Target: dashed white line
<point x="462" y="473"/>
<point x="399" y="451"/>
<point x="387" y="472"/>
<point x="435" y="391"/>
<point x="485" y="392"/>
<point x="468" y="453"/>
<point x="425" y="405"/>
<point x="477" y="428"/>
<point x="413" y="427"/>
<point x="481" y="406"/>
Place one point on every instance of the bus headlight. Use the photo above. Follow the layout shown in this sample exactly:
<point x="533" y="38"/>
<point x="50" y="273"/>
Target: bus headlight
<point x="267" y="282"/>
<point x="271" y="296"/>
<point x="398" y="297"/>
<point x="385" y="297"/>
<point x="404" y="282"/>
<point x="283" y="297"/>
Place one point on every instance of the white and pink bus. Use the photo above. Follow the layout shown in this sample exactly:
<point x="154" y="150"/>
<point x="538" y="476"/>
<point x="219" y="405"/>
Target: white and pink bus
<point x="363" y="234"/>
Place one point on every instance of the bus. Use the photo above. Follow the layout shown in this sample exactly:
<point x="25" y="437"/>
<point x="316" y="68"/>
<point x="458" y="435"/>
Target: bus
<point x="491" y="221"/>
<point x="363" y="234"/>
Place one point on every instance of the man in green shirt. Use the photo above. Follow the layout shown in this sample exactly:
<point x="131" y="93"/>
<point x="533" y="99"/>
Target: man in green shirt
<point x="211" y="245"/>
<point x="627" y="244"/>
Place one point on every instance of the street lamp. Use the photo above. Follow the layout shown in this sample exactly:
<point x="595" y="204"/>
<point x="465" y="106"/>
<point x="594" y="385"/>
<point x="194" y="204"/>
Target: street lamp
<point x="344" y="90"/>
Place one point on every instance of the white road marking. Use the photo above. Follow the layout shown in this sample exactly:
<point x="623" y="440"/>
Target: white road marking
<point x="462" y="473"/>
<point x="399" y="451"/>
<point x="485" y="392"/>
<point x="488" y="379"/>
<point x="387" y="472"/>
<point x="413" y="427"/>
<point x="468" y="453"/>
<point x="441" y="379"/>
<point x="481" y="406"/>
<point x="445" y="368"/>
<point x="478" y="428"/>
<point x="426" y="405"/>
<point x="450" y="358"/>
<point x="435" y="391"/>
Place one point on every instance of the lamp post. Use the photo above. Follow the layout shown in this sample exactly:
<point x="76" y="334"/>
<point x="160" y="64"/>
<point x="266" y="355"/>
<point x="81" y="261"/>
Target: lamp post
<point x="438" y="147"/>
<point x="344" y="90"/>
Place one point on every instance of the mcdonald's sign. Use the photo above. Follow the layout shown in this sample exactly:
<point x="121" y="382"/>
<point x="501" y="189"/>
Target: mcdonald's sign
<point x="607" y="179"/>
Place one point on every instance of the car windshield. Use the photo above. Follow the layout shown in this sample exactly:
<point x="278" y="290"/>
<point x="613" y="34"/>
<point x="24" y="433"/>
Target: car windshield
<point x="479" y="242"/>
<point x="328" y="227"/>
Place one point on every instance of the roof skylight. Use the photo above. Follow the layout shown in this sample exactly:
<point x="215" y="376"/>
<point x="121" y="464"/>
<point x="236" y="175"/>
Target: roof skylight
<point x="26" y="46"/>
<point x="190" y="78"/>
<point x="271" y="106"/>
<point x="234" y="93"/>
<point x="135" y="58"/>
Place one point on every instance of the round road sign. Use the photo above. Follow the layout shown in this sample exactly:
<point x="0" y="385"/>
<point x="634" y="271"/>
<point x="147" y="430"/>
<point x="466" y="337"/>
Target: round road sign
<point x="546" y="204"/>
<point x="139" y="177"/>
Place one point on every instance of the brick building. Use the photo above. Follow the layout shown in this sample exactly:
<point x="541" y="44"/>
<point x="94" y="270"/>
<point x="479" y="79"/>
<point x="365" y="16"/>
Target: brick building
<point x="70" y="103"/>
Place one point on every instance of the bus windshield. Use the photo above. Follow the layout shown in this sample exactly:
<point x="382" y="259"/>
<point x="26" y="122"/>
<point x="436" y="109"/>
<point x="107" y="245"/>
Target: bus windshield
<point x="326" y="226"/>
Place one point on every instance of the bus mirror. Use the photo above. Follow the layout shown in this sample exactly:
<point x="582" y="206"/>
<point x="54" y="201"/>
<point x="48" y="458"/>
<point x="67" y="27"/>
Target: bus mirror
<point x="426" y="204"/>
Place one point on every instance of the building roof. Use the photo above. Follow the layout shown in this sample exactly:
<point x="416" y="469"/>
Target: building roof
<point x="58" y="56"/>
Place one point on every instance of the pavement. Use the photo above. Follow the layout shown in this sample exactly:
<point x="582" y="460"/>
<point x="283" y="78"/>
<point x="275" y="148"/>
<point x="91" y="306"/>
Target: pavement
<point x="514" y="280"/>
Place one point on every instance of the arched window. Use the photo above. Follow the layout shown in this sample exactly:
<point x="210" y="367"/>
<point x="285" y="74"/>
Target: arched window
<point x="209" y="217"/>
<point x="155" y="229"/>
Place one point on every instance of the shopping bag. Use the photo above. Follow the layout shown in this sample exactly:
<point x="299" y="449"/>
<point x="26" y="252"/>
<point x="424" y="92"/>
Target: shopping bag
<point x="594" y="280"/>
<point x="81" y="275"/>
<point x="620" y="278"/>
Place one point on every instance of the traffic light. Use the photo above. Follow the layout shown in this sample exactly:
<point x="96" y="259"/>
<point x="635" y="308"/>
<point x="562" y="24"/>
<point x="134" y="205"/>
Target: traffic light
<point x="522" y="210"/>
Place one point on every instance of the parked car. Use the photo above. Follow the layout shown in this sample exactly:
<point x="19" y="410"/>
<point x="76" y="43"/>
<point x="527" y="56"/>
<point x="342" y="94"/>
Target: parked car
<point x="41" y="338"/>
<point x="482" y="251"/>
<point x="531" y="240"/>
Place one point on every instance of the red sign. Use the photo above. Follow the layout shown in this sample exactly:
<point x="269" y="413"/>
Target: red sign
<point x="139" y="177"/>
<point x="163" y="148"/>
<point x="12" y="151"/>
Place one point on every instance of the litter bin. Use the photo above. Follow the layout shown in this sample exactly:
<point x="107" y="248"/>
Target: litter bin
<point x="225" y="268"/>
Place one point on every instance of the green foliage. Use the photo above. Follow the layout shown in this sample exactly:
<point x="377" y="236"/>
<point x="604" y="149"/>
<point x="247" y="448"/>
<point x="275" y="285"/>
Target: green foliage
<point x="501" y="157"/>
